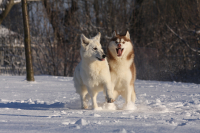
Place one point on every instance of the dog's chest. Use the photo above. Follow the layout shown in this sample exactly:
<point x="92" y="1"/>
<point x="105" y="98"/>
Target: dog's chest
<point x="120" y="68"/>
<point x="121" y="81"/>
<point x="120" y="74"/>
<point x="95" y="69"/>
<point x="95" y="78"/>
<point x="96" y="74"/>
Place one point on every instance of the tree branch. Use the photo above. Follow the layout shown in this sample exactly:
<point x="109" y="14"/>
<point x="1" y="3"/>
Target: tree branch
<point x="6" y="11"/>
<point x="9" y="7"/>
<point x="195" y="50"/>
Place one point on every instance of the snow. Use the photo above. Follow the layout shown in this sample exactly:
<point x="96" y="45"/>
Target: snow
<point x="4" y="1"/>
<point x="5" y="32"/>
<point x="51" y="105"/>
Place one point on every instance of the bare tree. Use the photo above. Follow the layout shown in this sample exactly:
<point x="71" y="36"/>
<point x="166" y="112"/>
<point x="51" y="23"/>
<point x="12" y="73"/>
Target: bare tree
<point x="63" y="27"/>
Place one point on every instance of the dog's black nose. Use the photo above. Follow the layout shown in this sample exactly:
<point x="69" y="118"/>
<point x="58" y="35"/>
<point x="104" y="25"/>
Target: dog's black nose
<point x="104" y="56"/>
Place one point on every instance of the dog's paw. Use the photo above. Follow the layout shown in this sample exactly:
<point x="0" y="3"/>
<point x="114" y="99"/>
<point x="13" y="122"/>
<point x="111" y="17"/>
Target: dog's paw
<point x="98" y="108"/>
<point x="85" y="107"/>
<point x="109" y="106"/>
<point x="129" y="106"/>
<point x="110" y="100"/>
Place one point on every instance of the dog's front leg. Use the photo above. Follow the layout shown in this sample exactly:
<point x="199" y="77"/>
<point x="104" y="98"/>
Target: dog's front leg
<point x="128" y="93"/>
<point x="83" y="103"/>
<point x="93" y="96"/>
<point x="133" y="95"/>
<point x="109" y="92"/>
<point x="84" y="97"/>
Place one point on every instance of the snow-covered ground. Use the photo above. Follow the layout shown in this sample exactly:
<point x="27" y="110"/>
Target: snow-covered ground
<point x="50" y="104"/>
<point x="5" y="32"/>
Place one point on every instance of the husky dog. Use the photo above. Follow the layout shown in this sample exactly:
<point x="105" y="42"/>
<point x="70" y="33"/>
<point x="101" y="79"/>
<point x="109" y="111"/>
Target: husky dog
<point x="92" y="74"/>
<point x="122" y="67"/>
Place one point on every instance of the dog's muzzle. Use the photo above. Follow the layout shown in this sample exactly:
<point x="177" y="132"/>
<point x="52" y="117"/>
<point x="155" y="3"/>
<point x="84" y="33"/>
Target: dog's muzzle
<point x="103" y="58"/>
<point x="119" y="50"/>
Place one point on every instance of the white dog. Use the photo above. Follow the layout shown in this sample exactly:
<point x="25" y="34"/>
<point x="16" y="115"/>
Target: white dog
<point x="122" y="67"/>
<point x="92" y="74"/>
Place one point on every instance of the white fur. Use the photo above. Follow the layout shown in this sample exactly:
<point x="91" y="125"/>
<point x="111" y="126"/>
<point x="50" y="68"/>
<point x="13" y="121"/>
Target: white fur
<point x="92" y="75"/>
<point x="121" y="74"/>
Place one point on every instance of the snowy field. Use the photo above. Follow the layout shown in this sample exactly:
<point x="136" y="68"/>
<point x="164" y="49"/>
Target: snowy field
<point x="50" y="105"/>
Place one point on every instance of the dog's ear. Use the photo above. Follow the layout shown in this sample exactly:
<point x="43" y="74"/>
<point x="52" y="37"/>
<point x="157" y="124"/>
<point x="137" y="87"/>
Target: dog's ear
<point x="127" y="35"/>
<point x="98" y="36"/>
<point x="84" y="41"/>
<point x="114" y="34"/>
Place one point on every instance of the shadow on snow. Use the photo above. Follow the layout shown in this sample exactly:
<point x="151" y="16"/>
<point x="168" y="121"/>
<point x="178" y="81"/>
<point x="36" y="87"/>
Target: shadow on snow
<point x="29" y="106"/>
<point x="41" y="106"/>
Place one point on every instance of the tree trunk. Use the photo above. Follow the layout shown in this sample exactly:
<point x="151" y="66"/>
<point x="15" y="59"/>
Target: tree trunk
<point x="87" y="10"/>
<point x="96" y="8"/>
<point x="27" y="43"/>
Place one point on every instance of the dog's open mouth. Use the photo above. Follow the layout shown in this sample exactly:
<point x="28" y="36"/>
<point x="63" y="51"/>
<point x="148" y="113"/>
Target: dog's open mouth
<point x="100" y="59"/>
<point x="119" y="51"/>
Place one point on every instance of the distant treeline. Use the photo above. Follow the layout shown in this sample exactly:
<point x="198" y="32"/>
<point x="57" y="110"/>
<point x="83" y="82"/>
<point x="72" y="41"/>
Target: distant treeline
<point x="165" y="34"/>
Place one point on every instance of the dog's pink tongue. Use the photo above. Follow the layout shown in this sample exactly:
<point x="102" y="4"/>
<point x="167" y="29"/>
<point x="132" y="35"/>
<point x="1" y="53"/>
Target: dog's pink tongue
<point x="119" y="52"/>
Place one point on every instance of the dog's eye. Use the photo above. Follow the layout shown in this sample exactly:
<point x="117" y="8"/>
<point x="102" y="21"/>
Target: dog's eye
<point x="123" y="42"/>
<point x="95" y="48"/>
